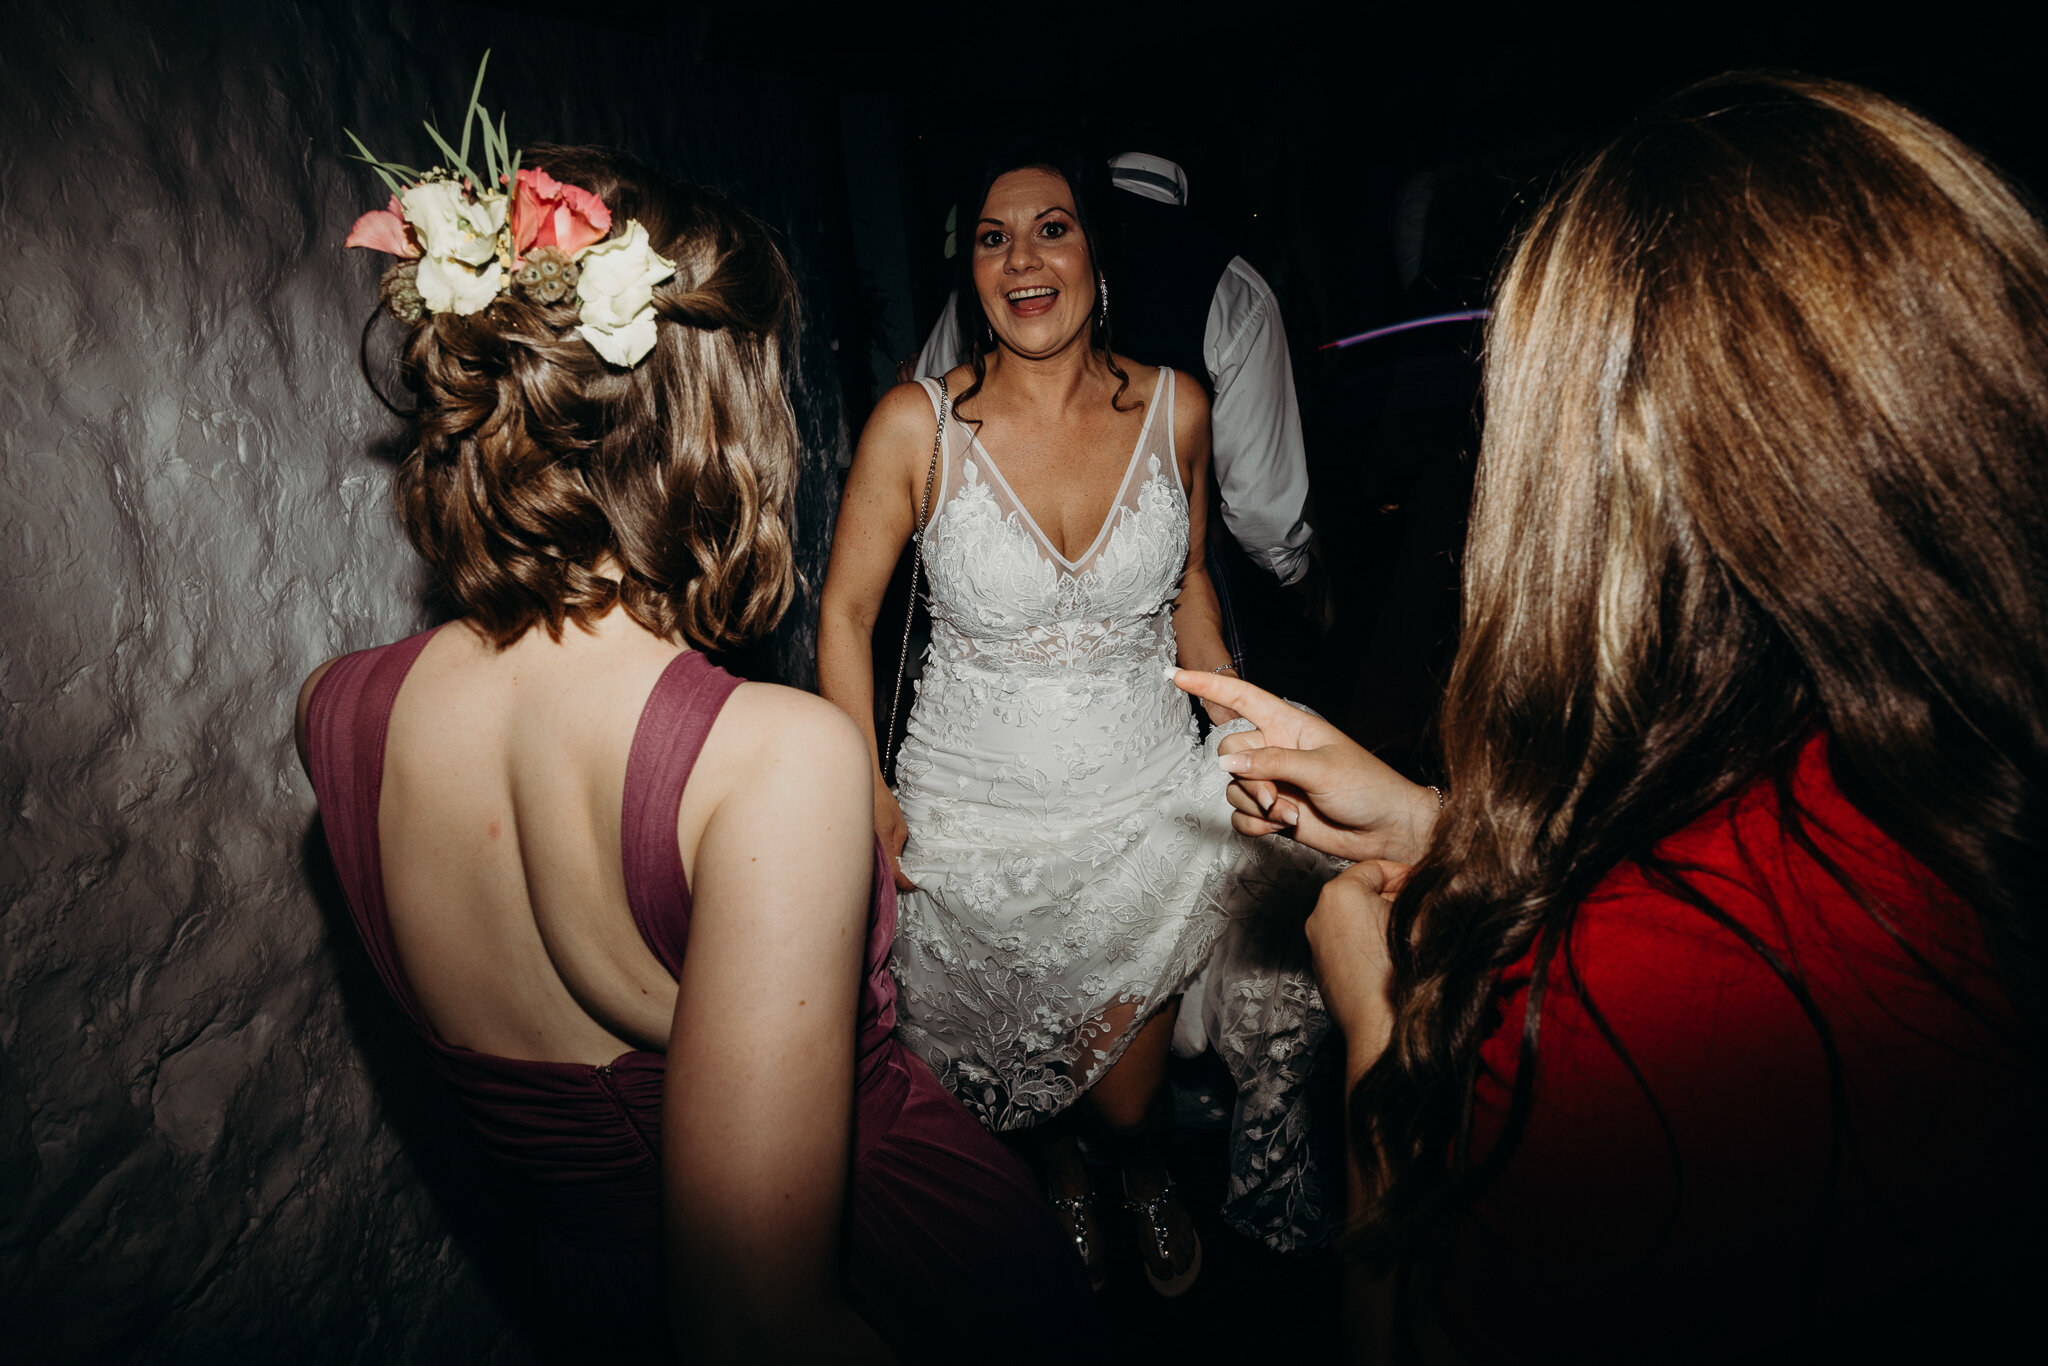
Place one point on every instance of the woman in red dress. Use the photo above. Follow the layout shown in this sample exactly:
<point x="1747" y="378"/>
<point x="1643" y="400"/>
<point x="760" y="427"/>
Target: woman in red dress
<point x="1707" y="1018"/>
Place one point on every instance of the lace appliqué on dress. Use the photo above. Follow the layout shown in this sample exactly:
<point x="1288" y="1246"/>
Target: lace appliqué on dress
<point x="1069" y="837"/>
<point x="1263" y="1015"/>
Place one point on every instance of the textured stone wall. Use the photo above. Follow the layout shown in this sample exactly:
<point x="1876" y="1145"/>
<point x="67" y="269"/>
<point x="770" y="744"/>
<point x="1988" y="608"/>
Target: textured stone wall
<point x="216" y="1142"/>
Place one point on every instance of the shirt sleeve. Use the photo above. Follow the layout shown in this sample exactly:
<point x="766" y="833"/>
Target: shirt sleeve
<point x="944" y="349"/>
<point x="1255" y="424"/>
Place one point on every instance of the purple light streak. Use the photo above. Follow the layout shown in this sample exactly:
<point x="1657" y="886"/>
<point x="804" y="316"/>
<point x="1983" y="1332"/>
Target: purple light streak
<point x="1467" y="316"/>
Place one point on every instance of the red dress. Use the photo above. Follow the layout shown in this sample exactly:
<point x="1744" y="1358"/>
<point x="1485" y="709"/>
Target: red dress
<point x="946" y="1236"/>
<point x="1595" y="1242"/>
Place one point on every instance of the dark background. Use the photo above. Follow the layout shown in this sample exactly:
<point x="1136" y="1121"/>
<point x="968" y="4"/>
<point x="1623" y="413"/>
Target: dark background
<point x="1300" y="124"/>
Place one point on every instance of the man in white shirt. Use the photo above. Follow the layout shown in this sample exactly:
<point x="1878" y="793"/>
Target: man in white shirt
<point x="1261" y="468"/>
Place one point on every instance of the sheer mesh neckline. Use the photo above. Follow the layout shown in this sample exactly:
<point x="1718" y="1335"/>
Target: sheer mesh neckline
<point x="1116" y="504"/>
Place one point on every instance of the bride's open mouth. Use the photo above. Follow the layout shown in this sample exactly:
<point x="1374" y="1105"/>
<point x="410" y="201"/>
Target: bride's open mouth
<point x="1030" y="303"/>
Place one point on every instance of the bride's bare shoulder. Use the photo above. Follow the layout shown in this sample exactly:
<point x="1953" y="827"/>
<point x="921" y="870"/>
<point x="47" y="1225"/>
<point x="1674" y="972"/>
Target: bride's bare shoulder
<point x="903" y="411"/>
<point x="900" y="426"/>
<point x="1142" y="376"/>
<point x="1190" y="399"/>
<point x="1144" y="381"/>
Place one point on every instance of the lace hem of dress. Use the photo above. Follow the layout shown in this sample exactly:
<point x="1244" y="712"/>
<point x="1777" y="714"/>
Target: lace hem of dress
<point x="1263" y="1015"/>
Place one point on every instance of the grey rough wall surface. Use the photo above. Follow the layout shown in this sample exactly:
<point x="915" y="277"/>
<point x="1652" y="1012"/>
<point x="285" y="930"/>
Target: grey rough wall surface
<point x="216" y="1142"/>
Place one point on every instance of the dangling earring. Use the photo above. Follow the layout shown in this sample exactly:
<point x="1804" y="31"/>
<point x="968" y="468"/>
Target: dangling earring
<point x="1102" y="320"/>
<point x="989" y="330"/>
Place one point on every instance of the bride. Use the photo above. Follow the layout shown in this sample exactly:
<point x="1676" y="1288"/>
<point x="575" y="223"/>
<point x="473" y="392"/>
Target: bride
<point x="1064" y="845"/>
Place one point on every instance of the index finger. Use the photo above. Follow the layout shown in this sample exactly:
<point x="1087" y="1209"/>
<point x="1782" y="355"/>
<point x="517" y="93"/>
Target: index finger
<point x="1254" y="703"/>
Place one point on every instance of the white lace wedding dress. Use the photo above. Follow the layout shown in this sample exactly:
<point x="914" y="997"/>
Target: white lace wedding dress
<point x="1071" y="840"/>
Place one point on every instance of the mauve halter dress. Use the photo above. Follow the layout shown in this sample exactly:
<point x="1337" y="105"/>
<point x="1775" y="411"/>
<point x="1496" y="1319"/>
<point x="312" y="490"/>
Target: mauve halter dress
<point x="949" y="1250"/>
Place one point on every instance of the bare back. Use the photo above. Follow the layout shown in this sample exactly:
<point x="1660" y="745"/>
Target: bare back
<point x="499" y="821"/>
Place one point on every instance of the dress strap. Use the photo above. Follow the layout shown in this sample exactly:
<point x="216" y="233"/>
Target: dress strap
<point x="673" y="727"/>
<point x="1162" y="408"/>
<point x="942" y="479"/>
<point x="347" y="721"/>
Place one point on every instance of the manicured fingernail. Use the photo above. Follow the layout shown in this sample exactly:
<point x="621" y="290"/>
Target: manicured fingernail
<point x="1172" y="673"/>
<point x="1234" y="763"/>
<point x="1286" y="815"/>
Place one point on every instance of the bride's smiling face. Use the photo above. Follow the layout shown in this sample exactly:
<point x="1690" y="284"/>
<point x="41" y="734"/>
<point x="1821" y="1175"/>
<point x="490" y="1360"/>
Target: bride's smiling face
<point x="1031" y="263"/>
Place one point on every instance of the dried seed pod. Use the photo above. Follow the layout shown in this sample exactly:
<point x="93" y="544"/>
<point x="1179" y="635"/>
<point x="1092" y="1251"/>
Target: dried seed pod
<point x="547" y="277"/>
<point x="399" y="291"/>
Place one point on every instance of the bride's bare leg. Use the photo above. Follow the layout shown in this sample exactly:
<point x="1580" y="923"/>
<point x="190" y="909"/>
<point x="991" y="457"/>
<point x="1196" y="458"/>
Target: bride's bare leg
<point x="1059" y="1158"/>
<point x="1135" y="1106"/>
<point x="1123" y="1095"/>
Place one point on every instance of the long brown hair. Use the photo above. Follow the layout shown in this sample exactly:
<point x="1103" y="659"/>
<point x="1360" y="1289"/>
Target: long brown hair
<point x="1088" y="184"/>
<point x="1767" y="411"/>
<point x="535" y="459"/>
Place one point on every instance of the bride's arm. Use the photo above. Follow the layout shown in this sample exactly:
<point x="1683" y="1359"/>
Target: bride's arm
<point x="1197" y="619"/>
<point x="877" y="513"/>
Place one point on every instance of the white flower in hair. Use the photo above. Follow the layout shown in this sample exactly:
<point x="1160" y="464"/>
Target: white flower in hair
<point x="476" y="236"/>
<point x="616" y="294"/>
<point x="452" y="225"/>
<point x="458" y="237"/>
<point x="448" y="286"/>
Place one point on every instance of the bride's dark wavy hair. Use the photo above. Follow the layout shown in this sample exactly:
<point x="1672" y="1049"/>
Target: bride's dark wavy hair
<point x="534" y="459"/>
<point x="1767" y="412"/>
<point x="1088" y="182"/>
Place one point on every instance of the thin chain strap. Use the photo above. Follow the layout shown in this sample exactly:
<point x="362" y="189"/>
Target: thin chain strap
<point x="916" y="562"/>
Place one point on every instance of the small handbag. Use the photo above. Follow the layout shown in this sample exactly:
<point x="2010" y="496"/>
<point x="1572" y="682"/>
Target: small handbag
<point x="889" y="737"/>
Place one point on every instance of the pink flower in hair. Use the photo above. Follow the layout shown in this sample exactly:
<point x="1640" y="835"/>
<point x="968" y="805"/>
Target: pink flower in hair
<point x="547" y="213"/>
<point x="384" y="230"/>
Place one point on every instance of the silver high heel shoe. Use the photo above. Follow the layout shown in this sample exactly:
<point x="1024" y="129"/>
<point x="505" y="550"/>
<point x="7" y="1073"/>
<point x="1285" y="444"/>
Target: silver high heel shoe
<point x="1077" y="1212"/>
<point x="1153" y="1212"/>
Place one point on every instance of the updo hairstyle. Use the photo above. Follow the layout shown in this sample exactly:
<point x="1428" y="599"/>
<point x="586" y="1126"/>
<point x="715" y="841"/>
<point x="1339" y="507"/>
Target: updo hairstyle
<point x="536" y="459"/>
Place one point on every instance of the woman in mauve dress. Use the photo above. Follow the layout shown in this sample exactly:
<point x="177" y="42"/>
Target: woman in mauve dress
<point x="633" y="906"/>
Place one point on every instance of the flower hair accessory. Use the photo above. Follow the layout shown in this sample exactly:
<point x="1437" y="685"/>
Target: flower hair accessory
<point x="463" y="239"/>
